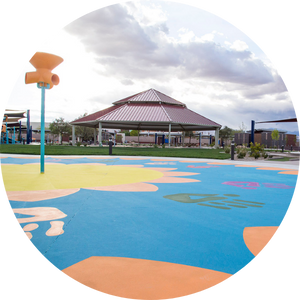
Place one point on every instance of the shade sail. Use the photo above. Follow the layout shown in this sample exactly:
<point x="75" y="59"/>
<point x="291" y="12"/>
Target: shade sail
<point x="280" y="121"/>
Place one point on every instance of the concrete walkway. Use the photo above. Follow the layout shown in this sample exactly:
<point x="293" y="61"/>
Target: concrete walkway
<point x="148" y="227"/>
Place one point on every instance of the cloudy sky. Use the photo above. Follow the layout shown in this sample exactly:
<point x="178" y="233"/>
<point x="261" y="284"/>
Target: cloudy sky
<point x="184" y="52"/>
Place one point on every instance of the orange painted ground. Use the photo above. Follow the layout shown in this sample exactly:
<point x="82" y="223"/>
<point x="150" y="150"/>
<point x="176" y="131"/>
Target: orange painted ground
<point x="142" y="279"/>
<point x="192" y="161"/>
<point x="291" y="172"/>
<point x="274" y="169"/>
<point x="248" y="166"/>
<point x="31" y="196"/>
<point x="162" y="159"/>
<point x="256" y="238"/>
<point x="219" y="163"/>
<point x="99" y="157"/>
<point x="132" y="158"/>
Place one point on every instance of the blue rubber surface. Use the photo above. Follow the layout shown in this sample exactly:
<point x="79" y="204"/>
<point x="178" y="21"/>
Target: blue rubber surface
<point x="154" y="226"/>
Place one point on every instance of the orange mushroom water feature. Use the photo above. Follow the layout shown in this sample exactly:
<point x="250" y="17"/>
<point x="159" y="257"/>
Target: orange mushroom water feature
<point x="44" y="64"/>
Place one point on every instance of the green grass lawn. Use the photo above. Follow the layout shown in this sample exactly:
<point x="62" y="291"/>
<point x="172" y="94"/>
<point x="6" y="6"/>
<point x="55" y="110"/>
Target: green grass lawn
<point x="122" y="151"/>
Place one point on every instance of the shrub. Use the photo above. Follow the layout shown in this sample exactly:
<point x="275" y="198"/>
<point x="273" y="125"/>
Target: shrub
<point x="255" y="154"/>
<point x="242" y="152"/>
<point x="257" y="146"/>
<point x="240" y="155"/>
<point x="264" y="155"/>
<point x="257" y="150"/>
<point x="227" y="149"/>
<point x="78" y="144"/>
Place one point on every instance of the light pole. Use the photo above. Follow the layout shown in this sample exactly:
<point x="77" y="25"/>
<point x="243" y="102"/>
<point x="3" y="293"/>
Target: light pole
<point x="232" y="150"/>
<point x="110" y="146"/>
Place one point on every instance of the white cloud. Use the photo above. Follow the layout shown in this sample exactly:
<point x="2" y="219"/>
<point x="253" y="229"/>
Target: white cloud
<point x="239" y="45"/>
<point x="121" y="43"/>
<point x="209" y="37"/>
<point x="181" y="49"/>
<point x="185" y="36"/>
<point x="146" y="15"/>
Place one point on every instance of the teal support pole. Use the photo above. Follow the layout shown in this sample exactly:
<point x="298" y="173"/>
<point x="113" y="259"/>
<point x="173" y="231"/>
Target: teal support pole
<point x="42" y="152"/>
<point x="6" y="134"/>
<point x="13" y="141"/>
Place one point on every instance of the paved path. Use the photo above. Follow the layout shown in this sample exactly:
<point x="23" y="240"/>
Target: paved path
<point x="148" y="227"/>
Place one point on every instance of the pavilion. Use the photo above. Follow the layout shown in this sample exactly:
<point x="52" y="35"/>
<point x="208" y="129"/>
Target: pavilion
<point x="148" y="110"/>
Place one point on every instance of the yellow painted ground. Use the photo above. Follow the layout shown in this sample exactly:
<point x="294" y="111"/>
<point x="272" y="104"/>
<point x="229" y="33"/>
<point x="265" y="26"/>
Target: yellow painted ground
<point x="60" y="176"/>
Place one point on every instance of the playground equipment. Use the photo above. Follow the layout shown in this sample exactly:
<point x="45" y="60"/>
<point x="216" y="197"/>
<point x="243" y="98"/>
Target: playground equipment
<point x="44" y="63"/>
<point x="3" y="128"/>
<point x="11" y="130"/>
<point x="5" y="139"/>
<point x="4" y="134"/>
<point x="12" y="118"/>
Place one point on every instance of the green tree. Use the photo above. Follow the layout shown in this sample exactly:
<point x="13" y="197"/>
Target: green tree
<point x="119" y="138"/>
<point x="134" y="132"/>
<point x="60" y="126"/>
<point x="275" y="135"/>
<point x="127" y="132"/>
<point x="190" y="134"/>
<point x="226" y="133"/>
<point x="86" y="133"/>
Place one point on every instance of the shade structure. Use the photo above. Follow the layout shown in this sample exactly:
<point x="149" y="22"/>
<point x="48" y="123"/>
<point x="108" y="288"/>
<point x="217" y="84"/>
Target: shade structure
<point x="280" y="121"/>
<point x="12" y="117"/>
<point x="148" y="110"/>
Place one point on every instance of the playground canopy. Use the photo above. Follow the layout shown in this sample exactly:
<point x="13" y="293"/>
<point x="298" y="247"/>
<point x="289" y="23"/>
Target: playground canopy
<point x="13" y="117"/>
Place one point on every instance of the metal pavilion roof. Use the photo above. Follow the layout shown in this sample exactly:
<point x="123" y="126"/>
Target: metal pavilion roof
<point x="148" y="110"/>
<point x="150" y="96"/>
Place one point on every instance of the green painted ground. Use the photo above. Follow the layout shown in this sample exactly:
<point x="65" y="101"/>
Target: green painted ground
<point x="126" y="151"/>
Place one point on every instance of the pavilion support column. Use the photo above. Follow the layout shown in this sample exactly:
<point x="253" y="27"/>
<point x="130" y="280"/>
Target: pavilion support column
<point x="100" y="134"/>
<point x="95" y="136"/>
<point x="183" y="133"/>
<point x="217" y="137"/>
<point x="73" y="135"/>
<point x="169" y="135"/>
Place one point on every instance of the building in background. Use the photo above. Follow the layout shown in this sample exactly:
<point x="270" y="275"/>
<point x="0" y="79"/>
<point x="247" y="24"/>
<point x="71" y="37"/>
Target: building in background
<point x="264" y="136"/>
